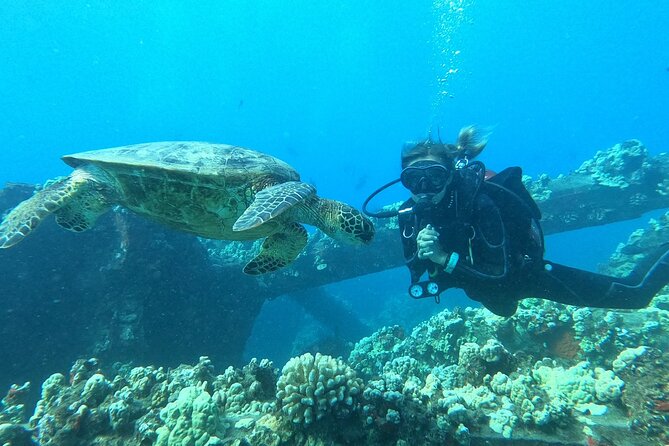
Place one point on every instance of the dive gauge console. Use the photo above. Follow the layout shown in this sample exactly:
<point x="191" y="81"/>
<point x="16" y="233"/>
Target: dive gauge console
<point x="420" y="290"/>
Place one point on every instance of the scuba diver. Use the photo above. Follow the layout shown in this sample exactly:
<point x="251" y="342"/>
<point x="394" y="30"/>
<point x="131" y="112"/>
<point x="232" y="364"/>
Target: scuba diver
<point x="469" y="228"/>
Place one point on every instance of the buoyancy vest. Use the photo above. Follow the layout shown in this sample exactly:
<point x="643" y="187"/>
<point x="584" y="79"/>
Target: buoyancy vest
<point x="519" y="212"/>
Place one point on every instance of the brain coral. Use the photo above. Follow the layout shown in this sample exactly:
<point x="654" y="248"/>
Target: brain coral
<point x="310" y="387"/>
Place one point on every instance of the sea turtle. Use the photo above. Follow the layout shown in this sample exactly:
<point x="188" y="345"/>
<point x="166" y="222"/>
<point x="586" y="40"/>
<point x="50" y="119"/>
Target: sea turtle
<point x="212" y="190"/>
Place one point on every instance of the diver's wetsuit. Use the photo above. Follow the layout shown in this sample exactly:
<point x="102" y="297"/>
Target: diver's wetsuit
<point x="501" y="250"/>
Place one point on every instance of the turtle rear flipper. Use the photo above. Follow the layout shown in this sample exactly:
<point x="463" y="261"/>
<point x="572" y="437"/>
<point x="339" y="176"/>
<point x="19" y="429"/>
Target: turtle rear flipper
<point x="25" y="217"/>
<point x="278" y="250"/>
<point x="273" y="201"/>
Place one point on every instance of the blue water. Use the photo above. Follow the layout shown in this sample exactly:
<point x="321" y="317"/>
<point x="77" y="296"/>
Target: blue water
<point x="335" y="88"/>
<point x="331" y="86"/>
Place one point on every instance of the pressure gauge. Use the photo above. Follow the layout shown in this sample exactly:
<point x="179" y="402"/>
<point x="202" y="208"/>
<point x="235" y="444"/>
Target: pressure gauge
<point x="416" y="291"/>
<point x="432" y="288"/>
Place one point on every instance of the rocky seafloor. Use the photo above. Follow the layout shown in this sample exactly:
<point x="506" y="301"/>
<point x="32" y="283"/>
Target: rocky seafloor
<point x="551" y="374"/>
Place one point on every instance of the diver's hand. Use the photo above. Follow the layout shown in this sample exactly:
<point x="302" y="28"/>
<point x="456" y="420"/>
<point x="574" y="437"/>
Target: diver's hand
<point x="429" y="247"/>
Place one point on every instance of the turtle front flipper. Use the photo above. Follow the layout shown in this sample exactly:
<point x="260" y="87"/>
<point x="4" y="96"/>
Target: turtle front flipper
<point x="25" y="217"/>
<point x="80" y="214"/>
<point x="272" y="201"/>
<point x="278" y="250"/>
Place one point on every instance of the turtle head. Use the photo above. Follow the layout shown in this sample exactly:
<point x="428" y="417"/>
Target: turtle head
<point x="354" y="226"/>
<point x="342" y="221"/>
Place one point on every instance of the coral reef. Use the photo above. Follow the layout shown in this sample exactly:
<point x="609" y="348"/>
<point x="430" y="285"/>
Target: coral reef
<point x="618" y="183"/>
<point x="619" y="166"/>
<point x="539" y="188"/>
<point x="12" y="414"/>
<point x="551" y="373"/>
<point x="371" y="353"/>
<point x="145" y="405"/>
<point x="194" y="418"/>
<point x="13" y="406"/>
<point x="639" y="245"/>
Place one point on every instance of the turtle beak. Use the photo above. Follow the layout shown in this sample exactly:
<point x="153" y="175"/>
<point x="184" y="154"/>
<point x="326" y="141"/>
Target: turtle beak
<point x="367" y="232"/>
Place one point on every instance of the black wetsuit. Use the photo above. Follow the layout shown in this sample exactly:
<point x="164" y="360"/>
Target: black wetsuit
<point x="494" y="227"/>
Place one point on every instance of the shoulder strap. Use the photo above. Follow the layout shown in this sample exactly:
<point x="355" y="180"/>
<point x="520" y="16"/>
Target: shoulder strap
<point x="469" y="182"/>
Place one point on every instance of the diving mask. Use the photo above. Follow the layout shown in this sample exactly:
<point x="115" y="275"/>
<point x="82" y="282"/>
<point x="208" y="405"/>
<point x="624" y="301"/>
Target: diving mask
<point x="426" y="177"/>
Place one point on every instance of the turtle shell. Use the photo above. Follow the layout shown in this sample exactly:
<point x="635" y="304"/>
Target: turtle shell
<point x="195" y="187"/>
<point x="220" y="163"/>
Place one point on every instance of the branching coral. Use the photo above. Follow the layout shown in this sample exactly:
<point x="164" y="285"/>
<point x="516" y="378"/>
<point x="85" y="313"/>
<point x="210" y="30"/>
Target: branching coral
<point x="311" y="387"/>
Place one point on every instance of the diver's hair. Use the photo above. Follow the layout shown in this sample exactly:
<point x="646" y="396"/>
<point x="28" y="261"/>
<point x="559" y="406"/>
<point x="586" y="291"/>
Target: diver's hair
<point x="471" y="141"/>
<point x="415" y="151"/>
